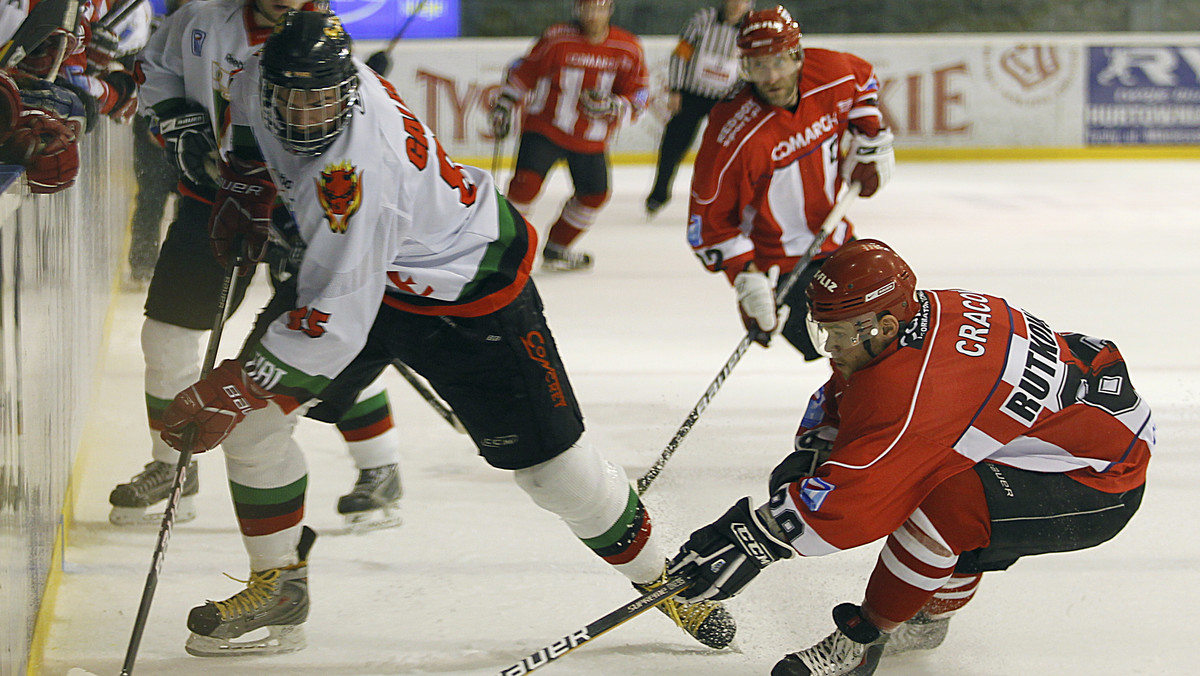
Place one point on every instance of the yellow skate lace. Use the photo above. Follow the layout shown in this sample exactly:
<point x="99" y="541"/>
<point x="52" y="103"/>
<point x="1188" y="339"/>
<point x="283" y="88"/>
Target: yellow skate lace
<point x="688" y="616"/>
<point x="259" y="589"/>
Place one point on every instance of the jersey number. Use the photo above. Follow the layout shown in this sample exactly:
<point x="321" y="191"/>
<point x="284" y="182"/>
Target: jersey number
<point x="309" y="322"/>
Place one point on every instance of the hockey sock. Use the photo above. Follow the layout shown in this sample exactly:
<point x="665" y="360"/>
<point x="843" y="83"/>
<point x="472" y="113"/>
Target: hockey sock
<point x="367" y="427"/>
<point x="915" y="563"/>
<point x="578" y="215"/>
<point x="600" y="507"/>
<point x="523" y="189"/>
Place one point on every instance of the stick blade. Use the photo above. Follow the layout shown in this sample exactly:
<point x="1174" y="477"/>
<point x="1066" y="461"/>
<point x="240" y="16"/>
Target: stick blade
<point x="43" y="19"/>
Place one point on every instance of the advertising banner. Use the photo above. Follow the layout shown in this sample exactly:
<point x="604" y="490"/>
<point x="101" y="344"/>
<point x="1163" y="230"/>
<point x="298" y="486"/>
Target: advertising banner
<point x="1143" y="94"/>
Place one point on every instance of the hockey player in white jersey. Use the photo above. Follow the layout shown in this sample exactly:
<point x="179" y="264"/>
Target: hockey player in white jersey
<point x="386" y="214"/>
<point x="184" y="77"/>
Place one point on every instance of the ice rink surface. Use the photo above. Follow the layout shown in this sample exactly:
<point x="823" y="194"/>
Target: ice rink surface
<point x="478" y="577"/>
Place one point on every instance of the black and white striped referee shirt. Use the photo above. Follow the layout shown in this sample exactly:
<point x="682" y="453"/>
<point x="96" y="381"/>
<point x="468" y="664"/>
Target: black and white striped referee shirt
<point x="705" y="62"/>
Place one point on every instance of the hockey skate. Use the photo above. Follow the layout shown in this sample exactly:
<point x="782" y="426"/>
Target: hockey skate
<point x="706" y="621"/>
<point x="654" y="205"/>
<point x="274" y="602"/>
<point x="853" y="650"/>
<point x="153" y="485"/>
<point x="558" y="259"/>
<point x="922" y="632"/>
<point x="375" y="500"/>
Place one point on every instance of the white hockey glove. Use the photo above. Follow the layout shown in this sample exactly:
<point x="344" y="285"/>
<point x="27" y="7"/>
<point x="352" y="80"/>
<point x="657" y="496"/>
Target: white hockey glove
<point x="870" y="160"/>
<point x="601" y="106"/>
<point x="724" y="556"/>
<point x="501" y="115"/>
<point x="756" y="302"/>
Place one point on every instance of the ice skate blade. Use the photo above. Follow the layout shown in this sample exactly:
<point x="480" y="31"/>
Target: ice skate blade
<point x="375" y="519"/>
<point x="279" y="640"/>
<point x="138" y="516"/>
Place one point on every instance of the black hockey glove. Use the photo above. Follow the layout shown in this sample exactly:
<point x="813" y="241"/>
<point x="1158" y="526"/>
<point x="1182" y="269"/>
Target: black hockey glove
<point x="724" y="556"/>
<point x="501" y="116"/>
<point x="189" y="140"/>
<point x="812" y="448"/>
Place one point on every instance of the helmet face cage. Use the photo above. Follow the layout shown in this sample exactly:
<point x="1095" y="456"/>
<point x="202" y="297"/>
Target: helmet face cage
<point x="307" y="121"/>
<point x="769" y="44"/>
<point x="309" y="82"/>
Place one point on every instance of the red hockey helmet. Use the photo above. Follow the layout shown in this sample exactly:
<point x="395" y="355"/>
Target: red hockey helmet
<point x="769" y="31"/>
<point x="864" y="276"/>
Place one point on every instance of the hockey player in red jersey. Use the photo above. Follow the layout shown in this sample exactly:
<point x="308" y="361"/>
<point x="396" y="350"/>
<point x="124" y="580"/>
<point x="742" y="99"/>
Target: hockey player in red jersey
<point x="960" y="427"/>
<point x="771" y="164"/>
<point x="579" y="83"/>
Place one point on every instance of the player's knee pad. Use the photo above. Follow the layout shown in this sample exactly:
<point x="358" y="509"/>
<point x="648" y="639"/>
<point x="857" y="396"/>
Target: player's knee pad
<point x="261" y="449"/>
<point x="172" y="355"/>
<point x="581" y="487"/>
<point x="524" y="188"/>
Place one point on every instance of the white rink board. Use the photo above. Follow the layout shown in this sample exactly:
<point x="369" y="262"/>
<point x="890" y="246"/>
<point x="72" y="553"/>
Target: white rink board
<point x="943" y="91"/>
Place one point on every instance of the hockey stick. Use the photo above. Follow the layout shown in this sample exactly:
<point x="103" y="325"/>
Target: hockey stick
<point x="185" y="457"/>
<point x="381" y="57"/>
<point x="43" y="20"/>
<point x="835" y="216"/>
<point x="616" y="618"/>
<point x="429" y="396"/>
<point x="117" y="14"/>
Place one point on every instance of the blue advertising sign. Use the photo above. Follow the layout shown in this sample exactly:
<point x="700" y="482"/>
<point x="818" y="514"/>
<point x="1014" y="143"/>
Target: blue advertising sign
<point x="383" y="19"/>
<point x="1143" y="95"/>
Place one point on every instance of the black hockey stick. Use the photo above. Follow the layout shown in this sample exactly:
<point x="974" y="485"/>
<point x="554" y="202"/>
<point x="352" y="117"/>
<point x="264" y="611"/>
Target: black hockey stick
<point x="185" y="457"/>
<point x="43" y="20"/>
<point x="381" y="58"/>
<point x="835" y="216"/>
<point x="616" y="618"/>
<point x="117" y="14"/>
<point x="429" y="396"/>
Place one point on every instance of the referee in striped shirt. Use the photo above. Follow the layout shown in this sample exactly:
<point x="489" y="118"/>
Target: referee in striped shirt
<point x="703" y="70"/>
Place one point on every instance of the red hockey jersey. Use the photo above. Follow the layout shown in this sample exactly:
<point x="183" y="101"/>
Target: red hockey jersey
<point x="972" y="378"/>
<point x="561" y="67"/>
<point x="765" y="177"/>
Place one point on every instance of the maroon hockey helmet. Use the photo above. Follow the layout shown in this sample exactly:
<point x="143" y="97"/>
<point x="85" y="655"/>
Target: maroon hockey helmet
<point x="864" y="276"/>
<point x="769" y="31"/>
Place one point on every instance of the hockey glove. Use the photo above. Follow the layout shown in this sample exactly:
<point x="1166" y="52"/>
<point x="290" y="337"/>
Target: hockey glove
<point x="46" y="147"/>
<point x="61" y="102"/>
<point x="756" y="303"/>
<point x="501" y="115"/>
<point x="812" y="448"/>
<point x="869" y="160"/>
<point x="189" y="140"/>
<point x="213" y="407"/>
<point x="601" y="106"/>
<point x="724" y="556"/>
<point x="10" y="105"/>
<point x="102" y="47"/>
<point x="242" y="209"/>
<point x="120" y="98"/>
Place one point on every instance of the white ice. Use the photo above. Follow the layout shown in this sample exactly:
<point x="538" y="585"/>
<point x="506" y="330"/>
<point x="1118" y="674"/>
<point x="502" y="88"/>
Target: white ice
<point x="478" y="577"/>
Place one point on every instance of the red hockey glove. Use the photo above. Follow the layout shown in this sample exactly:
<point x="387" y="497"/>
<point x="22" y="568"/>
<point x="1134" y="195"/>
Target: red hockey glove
<point x="47" y="148"/>
<point x="102" y="48"/>
<point x="242" y="209"/>
<point x="213" y="406"/>
<point x="10" y="105"/>
<point x="120" y="101"/>
<point x="870" y="160"/>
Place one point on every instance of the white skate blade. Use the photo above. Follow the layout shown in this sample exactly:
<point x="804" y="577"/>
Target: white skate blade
<point x="278" y="640"/>
<point x="387" y="516"/>
<point x="138" y="516"/>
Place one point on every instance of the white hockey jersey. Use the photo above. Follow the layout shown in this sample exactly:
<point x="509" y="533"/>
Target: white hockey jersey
<point x="192" y="55"/>
<point x="383" y="215"/>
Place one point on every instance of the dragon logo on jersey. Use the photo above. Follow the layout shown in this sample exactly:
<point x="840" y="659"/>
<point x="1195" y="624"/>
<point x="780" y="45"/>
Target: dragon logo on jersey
<point x="339" y="190"/>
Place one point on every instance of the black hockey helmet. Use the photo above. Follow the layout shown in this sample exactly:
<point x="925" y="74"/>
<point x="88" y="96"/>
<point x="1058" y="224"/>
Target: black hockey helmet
<point x="309" y="83"/>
